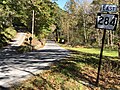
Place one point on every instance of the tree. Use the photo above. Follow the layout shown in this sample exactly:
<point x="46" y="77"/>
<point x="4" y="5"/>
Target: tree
<point x="19" y="13"/>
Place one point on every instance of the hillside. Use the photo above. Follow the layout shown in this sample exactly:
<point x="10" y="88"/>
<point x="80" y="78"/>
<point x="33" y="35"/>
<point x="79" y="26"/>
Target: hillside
<point x="6" y="36"/>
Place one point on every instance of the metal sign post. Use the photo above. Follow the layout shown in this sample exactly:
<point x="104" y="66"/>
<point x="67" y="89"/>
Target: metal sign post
<point x="105" y="21"/>
<point x="31" y="43"/>
<point x="100" y="61"/>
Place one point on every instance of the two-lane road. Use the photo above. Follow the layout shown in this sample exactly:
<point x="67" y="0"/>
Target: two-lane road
<point x="15" y="67"/>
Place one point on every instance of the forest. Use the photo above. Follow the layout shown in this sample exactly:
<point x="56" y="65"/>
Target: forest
<point x="75" y="24"/>
<point x="79" y="25"/>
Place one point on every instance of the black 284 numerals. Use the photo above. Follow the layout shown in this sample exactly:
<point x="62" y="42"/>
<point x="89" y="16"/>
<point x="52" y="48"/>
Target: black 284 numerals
<point x="106" y="21"/>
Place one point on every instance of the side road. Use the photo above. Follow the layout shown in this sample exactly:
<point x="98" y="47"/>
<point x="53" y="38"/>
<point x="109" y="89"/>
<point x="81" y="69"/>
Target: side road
<point x="18" y="40"/>
<point x="15" y="67"/>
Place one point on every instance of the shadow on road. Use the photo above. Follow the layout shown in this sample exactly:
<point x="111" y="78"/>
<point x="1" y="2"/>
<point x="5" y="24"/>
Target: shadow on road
<point x="14" y="66"/>
<point x="4" y="88"/>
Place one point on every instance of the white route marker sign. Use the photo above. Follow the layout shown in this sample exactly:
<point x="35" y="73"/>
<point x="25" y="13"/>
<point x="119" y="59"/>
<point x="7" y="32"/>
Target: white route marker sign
<point x="106" y="21"/>
<point x="108" y="8"/>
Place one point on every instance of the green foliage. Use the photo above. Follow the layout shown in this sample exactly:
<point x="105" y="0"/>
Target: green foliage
<point x="9" y="32"/>
<point x="18" y="13"/>
<point x="6" y="36"/>
<point x="23" y="49"/>
<point x="76" y="23"/>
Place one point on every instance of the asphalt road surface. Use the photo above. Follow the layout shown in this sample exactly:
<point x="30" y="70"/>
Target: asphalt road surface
<point x="15" y="67"/>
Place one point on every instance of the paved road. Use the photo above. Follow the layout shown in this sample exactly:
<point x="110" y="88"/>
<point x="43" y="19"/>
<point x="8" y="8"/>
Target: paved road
<point x="15" y="67"/>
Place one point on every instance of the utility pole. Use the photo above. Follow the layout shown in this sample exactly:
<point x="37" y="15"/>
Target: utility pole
<point x="33" y="23"/>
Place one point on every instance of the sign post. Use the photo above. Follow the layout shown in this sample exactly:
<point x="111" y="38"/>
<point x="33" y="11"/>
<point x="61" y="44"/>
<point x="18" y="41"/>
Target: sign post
<point x="100" y="61"/>
<point x="30" y="43"/>
<point x="105" y="21"/>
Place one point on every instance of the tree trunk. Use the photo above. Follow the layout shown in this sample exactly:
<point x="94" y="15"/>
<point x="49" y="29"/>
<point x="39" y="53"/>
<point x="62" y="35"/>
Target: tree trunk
<point x="68" y="33"/>
<point x="85" y="33"/>
<point x="119" y="50"/>
<point x="111" y="38"/>
<point x="56" y="35"/>
<point x="108" y="38"/>
<point x="99" y="37"/>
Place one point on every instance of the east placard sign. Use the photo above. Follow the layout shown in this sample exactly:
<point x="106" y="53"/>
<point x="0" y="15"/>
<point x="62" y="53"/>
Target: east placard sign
<point x="106" y="21"/>
<point x="108" y="8"/>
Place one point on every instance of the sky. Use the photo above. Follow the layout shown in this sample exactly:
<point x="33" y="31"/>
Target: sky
<point x="61" y="3"/>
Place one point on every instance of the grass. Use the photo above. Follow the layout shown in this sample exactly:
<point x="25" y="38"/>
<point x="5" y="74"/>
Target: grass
<point x="77" y="72"/>
<point x="50" y="80"/>
<point x="95" y="51"/>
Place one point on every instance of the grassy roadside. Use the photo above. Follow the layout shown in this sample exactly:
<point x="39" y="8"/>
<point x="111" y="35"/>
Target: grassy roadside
<point x="77" y="72"/>
<point x="106" y="52"/>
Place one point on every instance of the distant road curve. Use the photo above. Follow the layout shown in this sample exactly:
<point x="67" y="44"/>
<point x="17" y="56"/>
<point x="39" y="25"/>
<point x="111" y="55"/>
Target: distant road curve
<point x="19" y="39"/>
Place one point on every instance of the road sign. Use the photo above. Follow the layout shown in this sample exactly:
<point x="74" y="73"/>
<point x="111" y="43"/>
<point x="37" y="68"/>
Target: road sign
<point x="108" y="8"/>
<point x="106" y="21"/>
